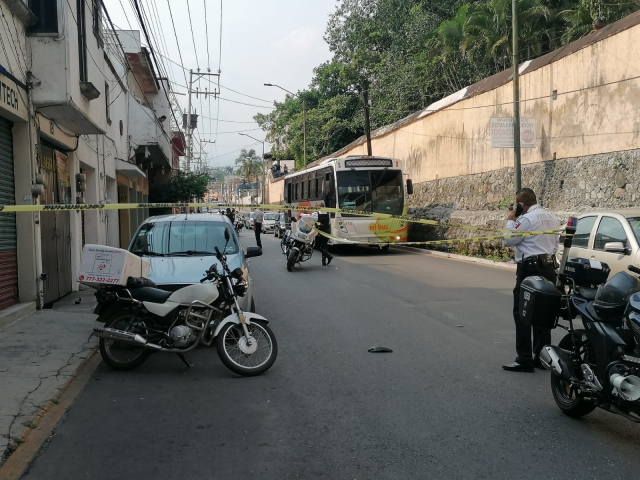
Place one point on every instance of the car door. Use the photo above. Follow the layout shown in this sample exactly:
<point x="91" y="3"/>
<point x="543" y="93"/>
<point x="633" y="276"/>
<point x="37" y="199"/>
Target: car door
<point x="582" y="240"/>
<point x="610" y="229"/>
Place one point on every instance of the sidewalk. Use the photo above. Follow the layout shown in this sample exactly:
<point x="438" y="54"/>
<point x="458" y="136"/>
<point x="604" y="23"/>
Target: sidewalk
<point x="38" y="355"/>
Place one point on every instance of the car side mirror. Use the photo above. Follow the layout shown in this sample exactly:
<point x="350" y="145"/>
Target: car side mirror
<point x="409" y="187"/>
<point x="253" y="252"/>
<point x="615" y="247"/>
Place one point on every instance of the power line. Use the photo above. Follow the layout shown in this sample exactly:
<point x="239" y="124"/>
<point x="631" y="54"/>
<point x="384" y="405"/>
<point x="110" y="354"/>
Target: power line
<point x="235" y="131"/>
<point x="206" y="28"/>
<point x="156" y="121"/>
<point x="175" y="33"/>
<point x="242" y="103"/>
<point x="220" y="53"/>
<point x="195" y="48"/>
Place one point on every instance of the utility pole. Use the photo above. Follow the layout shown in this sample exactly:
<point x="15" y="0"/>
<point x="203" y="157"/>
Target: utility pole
<point x="190" y="90"/>
<point x="367" y="126"/>
<point x="304" y="132"/>
<point x="189" y="132"/>
<point x="516" y="97"/>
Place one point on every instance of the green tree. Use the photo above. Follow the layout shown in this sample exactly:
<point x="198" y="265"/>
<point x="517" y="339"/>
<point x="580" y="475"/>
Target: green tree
<point x="182" y="187"/>
<point x="580" y="17"/>
<point x="249" y="165"/>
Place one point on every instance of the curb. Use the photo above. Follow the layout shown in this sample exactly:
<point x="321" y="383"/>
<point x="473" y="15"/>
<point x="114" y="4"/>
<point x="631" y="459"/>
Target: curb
<point x="42" y="426"/>
<point x="12" y="314"/>
<point x="453" y="256"/>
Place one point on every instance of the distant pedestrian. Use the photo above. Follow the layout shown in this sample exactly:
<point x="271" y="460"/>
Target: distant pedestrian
<point x="535" y="255"/>
<point x="258" y="218"/>
<point x="285" y="170"/>
<point x="321" y="241"/>
<point x="230" y="215"/>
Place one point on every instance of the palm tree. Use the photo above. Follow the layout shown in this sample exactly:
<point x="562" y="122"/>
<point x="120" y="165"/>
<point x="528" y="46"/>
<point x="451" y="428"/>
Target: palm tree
<point x="580" y="18"/>
<point x="249" y="164"/>
<point x="487" y="31"/>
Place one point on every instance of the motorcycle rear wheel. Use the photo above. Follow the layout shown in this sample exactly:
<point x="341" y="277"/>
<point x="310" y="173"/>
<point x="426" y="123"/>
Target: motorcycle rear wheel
<point x="247" y="365"/>
<point x="120" y="356"/>
<point x="291" y="260"/>
<point x="567" y="397"/>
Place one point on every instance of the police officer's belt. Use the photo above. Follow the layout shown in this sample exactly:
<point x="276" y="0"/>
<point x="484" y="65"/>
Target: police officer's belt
<point x="539" y="260"/>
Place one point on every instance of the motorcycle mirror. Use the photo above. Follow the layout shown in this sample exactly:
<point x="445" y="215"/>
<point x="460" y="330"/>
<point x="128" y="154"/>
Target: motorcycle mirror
<point x="227" y="234"/>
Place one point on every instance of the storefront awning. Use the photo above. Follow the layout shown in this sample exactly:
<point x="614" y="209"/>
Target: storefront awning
<point x="129" y="170"/>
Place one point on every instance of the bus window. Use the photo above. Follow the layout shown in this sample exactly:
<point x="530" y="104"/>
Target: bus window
<point x="310" y="192"/>
<point x="296" y="192"/>
<point x="319" y="189"/>
<point x="288" y="193"/>
<point x="302" y="197"/>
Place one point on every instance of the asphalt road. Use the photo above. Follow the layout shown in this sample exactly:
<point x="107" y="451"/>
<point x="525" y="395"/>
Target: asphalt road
<point x="439" y="406"/>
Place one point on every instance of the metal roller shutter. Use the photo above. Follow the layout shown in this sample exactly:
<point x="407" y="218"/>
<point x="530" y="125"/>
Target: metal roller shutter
<point x="8" y="236"/>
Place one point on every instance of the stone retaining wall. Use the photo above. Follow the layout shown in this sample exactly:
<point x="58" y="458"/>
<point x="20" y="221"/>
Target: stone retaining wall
<point x="565" y="187"/>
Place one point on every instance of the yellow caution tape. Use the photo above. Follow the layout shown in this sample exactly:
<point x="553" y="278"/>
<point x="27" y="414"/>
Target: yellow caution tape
<point x="433" y="242"/>
<point x="404" y="218"/>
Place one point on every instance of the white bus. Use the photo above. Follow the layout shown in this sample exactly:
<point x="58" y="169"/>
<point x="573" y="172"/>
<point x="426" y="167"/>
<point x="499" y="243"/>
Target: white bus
<point x="362" y="183"/>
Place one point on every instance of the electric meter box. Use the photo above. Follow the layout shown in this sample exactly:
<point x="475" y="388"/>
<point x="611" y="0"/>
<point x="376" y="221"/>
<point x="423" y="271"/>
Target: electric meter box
<point x="102" y="265"/>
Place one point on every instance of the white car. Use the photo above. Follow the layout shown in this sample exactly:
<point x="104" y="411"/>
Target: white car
<point x="610" y="236"/>
<point x="247" y="218"/>
<point x="269" y="223"/>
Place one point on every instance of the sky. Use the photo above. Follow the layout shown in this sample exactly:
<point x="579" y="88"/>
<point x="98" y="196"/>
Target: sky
<point x="263" y="41"/>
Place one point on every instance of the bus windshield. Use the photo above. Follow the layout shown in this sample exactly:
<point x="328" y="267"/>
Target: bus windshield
<point x="377" y="191"/>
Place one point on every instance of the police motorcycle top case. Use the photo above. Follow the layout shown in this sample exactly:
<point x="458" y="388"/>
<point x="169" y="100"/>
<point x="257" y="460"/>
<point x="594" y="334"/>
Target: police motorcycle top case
<point x="541" y="300"/>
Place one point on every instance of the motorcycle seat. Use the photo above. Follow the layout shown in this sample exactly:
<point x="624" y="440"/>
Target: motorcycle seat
<point x="586" y="292"/>
<point x="150" y="294"/>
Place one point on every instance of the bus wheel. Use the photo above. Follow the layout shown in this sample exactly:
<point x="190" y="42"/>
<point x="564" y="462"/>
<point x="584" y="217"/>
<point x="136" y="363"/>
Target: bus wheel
<point x="384" y="248"/>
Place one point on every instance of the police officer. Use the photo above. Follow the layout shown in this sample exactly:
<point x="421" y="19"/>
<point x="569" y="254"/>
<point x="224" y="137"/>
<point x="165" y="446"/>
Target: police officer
<point x="321" y="241"/>
<point x="534" y="255"/>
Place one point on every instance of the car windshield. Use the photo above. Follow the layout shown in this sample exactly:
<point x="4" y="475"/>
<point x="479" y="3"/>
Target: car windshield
<point x="378" y="191"/>
<point x="182" y="238"/>
<point x="635" y="226"/>
<point x="282" y="217"/>
<point x="271" y="216"/>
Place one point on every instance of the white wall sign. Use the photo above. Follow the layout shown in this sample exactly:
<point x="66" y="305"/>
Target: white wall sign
<point x="502" y="132"/>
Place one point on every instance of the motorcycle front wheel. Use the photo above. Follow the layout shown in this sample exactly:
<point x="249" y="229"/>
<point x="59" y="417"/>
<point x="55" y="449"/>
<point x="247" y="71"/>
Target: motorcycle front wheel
<point x="291" y="260"/>
<point x="120" y="356"/>
<point x="242" y="359"/>
<point x="568" y="397"/>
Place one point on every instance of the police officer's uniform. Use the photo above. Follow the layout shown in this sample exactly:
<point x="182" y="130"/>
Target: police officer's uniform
<point x="534" y="256"/>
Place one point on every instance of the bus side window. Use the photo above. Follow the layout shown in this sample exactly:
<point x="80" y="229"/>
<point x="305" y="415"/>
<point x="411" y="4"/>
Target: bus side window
<point x="319" y="189"/>
<point x="296" y="194"/>
<point x="287" y="192"/>
<point x="302" y="197"/>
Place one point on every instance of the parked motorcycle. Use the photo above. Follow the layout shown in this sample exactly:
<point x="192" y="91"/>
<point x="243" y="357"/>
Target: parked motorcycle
<point x="142" y="320"/>
<point x="597" y="366"/>
<point x="238" y="223"/>
<point x="297" y="243"/>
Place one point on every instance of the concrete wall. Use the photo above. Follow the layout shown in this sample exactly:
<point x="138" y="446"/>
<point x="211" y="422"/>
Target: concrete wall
<point x="51" y="52"/>
<point x="275" y="191"/>
<point x="15" y="59"/>
<point x="595" y="111"/>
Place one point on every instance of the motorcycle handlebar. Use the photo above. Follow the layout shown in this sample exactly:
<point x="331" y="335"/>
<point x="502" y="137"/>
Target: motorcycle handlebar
<point x="634" y="269"/>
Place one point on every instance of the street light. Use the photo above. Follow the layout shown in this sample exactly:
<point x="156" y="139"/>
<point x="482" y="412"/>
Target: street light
<point x="304" y="121"/>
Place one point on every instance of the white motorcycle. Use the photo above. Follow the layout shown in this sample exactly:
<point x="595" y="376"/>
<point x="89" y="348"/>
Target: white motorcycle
<point x="142" y="320"/>
<point x="297" y="244"/>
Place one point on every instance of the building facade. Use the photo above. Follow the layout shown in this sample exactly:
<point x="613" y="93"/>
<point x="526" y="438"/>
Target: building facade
<point x="84" y="119"/>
